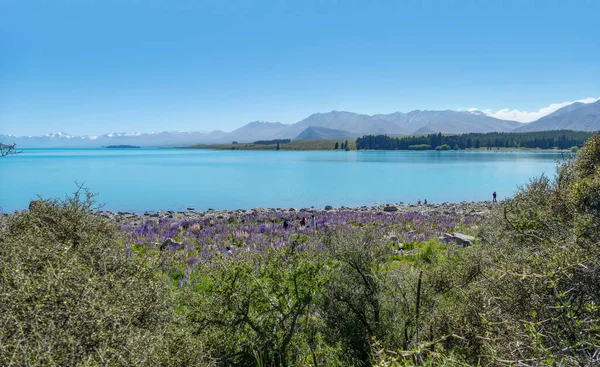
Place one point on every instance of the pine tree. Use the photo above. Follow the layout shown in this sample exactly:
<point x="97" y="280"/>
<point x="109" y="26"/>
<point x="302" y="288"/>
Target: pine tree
<point x="335" y="147"/>
<point x="277" y="147"/>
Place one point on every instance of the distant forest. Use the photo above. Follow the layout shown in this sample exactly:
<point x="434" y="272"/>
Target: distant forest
<point x="561" y="139"/>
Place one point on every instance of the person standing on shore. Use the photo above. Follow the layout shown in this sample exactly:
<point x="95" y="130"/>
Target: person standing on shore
<point x="313" y="224"/>
<point x="494" y="195"/>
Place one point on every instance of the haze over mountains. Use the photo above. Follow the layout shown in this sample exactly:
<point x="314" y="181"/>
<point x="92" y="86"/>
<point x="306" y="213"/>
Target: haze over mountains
<point x="335" y="125"/>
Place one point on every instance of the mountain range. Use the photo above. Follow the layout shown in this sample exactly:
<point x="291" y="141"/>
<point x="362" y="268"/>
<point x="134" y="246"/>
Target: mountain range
<point x="334" y="125"/>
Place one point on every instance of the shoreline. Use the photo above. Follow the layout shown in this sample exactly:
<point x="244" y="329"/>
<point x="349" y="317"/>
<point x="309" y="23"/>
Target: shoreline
<point x="477" y="208"/>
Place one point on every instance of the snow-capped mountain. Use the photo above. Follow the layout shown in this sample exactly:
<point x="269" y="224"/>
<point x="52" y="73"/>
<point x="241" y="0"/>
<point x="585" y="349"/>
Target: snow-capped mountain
<point x="64" y="140"/>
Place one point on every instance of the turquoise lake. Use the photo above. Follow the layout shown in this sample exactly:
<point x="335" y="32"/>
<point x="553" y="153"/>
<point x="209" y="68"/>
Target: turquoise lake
<point x="173" y="179"/>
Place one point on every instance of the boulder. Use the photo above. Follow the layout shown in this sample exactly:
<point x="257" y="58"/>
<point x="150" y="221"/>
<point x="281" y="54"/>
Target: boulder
<point x="390" y="208"/>
<point x="465" y="239"/>
<point x="328" y="207"/>
<point x="170" y="245"/>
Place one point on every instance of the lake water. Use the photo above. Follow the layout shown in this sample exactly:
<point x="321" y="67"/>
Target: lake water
<point x="174" y="179"/>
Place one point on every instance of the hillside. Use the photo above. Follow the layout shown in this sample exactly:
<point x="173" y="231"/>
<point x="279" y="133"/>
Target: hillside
<point x="323" y="133"/>
<point x="577" y="116"/>
<point x="346" y="121"/>
<point x="256" y="130"/>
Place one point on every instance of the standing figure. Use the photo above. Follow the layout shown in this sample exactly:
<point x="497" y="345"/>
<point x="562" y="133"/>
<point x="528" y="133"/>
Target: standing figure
<point x="286" y="224"/>
<point x="313" y="224"/>
<point x="494" y="195"/>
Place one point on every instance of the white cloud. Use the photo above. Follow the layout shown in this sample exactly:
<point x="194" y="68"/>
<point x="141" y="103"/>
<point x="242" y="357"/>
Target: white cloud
<point x="527" y="116"/>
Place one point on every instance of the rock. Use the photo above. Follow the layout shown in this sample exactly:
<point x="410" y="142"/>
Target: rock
<point x="465" y="239"/>
<point x="445" y="239"/>
<point x="155" y="215"/>
<point x="170" y="244"/>
<point x="328" y="207"/>
<point x="390" y="208"/>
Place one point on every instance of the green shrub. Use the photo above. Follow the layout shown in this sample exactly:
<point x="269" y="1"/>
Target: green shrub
<point x="420" y="147"/>
<point x="72" y="294"/>
<point x="259" y="307"/>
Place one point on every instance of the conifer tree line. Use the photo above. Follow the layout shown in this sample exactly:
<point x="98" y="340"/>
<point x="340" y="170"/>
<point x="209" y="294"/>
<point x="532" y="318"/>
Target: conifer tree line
<point x="561" y="139"/>
<point x="344" y="145"/>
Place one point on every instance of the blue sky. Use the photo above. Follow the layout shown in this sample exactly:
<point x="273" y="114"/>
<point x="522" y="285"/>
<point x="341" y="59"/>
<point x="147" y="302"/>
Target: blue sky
<point x="90" y="67"/>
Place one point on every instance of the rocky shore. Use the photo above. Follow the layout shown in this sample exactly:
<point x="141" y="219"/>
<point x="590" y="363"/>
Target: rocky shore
<point x="462" y="208"/>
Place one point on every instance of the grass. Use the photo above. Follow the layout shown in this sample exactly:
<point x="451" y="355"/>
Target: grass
<point x="293" y="145"/>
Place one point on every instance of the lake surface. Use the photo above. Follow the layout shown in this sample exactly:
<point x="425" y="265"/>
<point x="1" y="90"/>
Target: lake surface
<point x="174" y="179"/>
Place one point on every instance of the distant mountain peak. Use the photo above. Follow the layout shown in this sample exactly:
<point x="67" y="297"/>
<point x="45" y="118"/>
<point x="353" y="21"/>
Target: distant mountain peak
<point x="576" y="116"/>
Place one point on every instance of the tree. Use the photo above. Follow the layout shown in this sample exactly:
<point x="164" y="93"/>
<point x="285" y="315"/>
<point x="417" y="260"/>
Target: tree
<point x="277" y="147"/>
<point x="335" y="146"/>
<point x="346" y="144"/>
<point x="8" y="149"/>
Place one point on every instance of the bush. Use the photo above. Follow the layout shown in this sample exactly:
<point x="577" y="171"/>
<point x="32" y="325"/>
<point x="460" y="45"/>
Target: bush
<point x="443" y="147"/>
<point x="72" y="294"/>
<point x="537" y="296"/>
<point x="257" y="308"/>
<point x="420" y="147"/>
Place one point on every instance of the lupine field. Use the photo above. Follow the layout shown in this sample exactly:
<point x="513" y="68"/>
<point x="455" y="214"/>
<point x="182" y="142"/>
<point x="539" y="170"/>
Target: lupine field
<point x="201" y="240"/>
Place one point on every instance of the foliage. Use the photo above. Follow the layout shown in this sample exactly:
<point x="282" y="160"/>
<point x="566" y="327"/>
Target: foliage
<point x="8" y="149"/>
<point x="443" y="147"/>
<point x="70" y="295"/>
<point x="561" y="139"/>
<point x="261" y="304"/>
<point x="419" y="147"/>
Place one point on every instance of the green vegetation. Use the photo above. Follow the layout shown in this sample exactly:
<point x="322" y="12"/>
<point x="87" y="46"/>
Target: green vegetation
<point x="75" y="291"/>
<point x="443" y="147"/>
<point x="293" y="145"/>
<point x="272" y="142"/>
<point x="419" y="147"/>
<point x="561" y="139"/>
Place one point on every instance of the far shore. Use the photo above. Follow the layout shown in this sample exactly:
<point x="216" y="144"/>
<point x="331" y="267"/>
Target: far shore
<point x="328" y="145"/>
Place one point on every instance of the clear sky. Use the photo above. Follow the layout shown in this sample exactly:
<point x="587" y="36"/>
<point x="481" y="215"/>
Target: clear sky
<point x="91" y="67"/>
